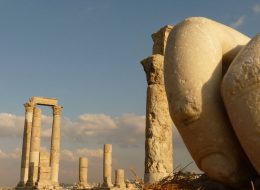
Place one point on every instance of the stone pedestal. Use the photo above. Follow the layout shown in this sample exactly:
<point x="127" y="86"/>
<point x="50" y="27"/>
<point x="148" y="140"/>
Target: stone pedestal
<point x="26" y="145"/>
<point x="44" y="179"/>
<point x="55" y="145"/>
<point x="35" y="147"/>
<point x="120" y="178"/>
<point x="107" y="166"/>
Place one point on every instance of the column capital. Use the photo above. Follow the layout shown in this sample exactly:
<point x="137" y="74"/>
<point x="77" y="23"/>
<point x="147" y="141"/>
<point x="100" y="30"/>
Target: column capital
<point x="29" y="107"/>
<point x="57" y="110"/>
<point x="153" y="67"/>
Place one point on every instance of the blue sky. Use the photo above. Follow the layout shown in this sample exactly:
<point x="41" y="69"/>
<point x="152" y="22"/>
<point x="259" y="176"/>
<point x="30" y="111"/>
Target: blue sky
<point x="86" y="53"/>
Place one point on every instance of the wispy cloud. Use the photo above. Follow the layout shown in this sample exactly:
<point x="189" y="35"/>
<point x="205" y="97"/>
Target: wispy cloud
<point x="11" y="125"/>
<point x="73" y="155"/>
<point x="256" y="8"/>
<point x="239" y="21"/>
<point x="125" y="130"/>
<point x="15" y="154"/>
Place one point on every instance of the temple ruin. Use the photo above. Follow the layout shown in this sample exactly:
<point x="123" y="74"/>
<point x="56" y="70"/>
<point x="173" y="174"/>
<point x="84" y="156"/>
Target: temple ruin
<point x="39" y="170"/>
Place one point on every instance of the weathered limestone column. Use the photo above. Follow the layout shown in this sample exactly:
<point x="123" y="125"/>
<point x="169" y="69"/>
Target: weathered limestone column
<point x="83" y="172"/>
<point x="107" y="166"/>
<point x="158" y="142"/>
<point x="55" y="145"/>
<point x="26" y="145"/>
<point x="120" y="178"/>
<point x="35" y="146"/>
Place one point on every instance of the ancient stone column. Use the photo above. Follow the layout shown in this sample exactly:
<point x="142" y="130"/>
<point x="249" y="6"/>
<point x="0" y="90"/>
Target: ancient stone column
<point x="158" y="143"/>
<point x="35" y="146"/>
<point x="83" y="172"/>
<point x="107" y="166"/>
<point x="158" y="133"/>
<point x="26" y="145"/>
<point x="55" y="145"/>
<point x="120" y="178"/>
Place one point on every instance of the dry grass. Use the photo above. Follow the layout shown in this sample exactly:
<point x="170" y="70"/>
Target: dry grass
<point x="181" y="180"/>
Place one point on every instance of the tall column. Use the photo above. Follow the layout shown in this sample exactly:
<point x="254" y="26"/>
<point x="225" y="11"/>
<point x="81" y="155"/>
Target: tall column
<point x="107" y="166"/>
<point x="26" y="145"/>
<point x="158" y="133"/>
<point x="83" y="172"/>
<point x="120" y="178"/>
<point x="55" y="145"/>
<point x="35" y="146"/>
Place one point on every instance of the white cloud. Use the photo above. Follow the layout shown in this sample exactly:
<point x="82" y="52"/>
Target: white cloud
<point x="16" y="154"/>
<point x="11" y="125"/>
<point x="98" y="121"/>
<point x="125" y="130"/>
<point x="73" y="155"/>
<point x="256" y="8"/>
<point x="46" y="133"/>
<point x="238" y="22"/>
<point x="133" y="121"/>
<point x="47" y="120"/>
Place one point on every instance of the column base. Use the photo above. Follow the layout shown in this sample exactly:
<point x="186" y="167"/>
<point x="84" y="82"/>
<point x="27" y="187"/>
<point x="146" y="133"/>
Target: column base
<point x="122" y="185"/>
<point x="154" y="177"/>
<point x="82" y="186"/>
<point x="21" y="184"/>
<point x="113" y="188"/>
<point x="107" y="185"/>
<point x="42" y="187"/>
<point x="56" y="185"/>
<point x="30" y="184"/>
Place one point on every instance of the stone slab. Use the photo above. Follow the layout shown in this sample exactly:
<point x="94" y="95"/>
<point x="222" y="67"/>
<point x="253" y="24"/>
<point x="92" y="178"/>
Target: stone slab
<point x="44" y="101"/>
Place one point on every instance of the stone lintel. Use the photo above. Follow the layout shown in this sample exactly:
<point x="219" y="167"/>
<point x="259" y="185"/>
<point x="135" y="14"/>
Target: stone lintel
<point x="160" y="39"/>
<point x="44" y="101"/>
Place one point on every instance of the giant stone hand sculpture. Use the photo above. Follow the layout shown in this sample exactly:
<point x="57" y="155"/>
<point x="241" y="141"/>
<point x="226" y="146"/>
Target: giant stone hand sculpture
<point x="212" y="82"/>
